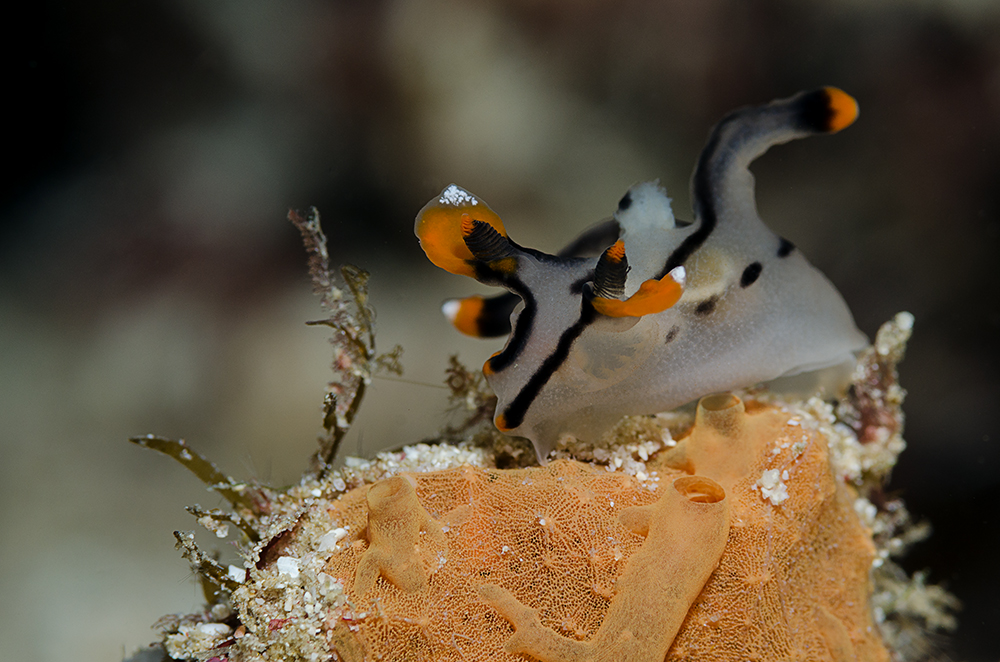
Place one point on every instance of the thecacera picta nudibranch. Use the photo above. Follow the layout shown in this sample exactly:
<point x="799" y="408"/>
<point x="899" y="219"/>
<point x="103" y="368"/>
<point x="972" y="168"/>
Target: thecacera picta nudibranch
<point x="664" y="311"/>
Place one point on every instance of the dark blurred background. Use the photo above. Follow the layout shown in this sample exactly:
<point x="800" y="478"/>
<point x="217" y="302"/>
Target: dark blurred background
<point x="149" y="281"/>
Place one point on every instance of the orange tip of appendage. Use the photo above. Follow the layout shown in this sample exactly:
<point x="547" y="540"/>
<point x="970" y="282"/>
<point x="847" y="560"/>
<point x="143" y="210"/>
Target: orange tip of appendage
<point x="654" y="296"/>
<point x="464" y="313"/>
<point x="468" y="225"/>
<point x="501" y="423"/>
<point x="444" y="222"/>
<point x="616" y="252"/>
<point x="488" y="366"/>
<point x="843" y="109"/>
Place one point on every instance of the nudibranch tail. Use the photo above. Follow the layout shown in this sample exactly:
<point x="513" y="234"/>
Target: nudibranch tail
<point x="722" y="182"/>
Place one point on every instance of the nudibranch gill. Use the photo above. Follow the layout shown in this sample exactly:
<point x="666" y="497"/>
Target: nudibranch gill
<point x="663" y="311"/>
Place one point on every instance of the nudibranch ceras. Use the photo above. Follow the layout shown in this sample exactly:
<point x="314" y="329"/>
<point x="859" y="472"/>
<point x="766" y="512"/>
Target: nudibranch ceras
<point x="668" y="311"/>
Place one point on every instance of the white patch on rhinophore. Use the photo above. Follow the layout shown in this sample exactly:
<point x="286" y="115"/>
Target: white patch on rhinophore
<point x="457" y="196"/>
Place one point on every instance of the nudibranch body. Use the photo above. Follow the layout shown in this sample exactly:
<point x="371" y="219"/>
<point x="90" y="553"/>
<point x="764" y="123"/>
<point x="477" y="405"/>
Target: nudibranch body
<point x="668" y="311"/>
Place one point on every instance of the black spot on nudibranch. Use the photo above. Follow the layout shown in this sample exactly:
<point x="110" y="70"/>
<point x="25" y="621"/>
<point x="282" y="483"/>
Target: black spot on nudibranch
<point x="751" y="274"/>
<point x="785" y="248"/>
<point x="706" y="306"/>
<point x="625" y="202"/>
<point x="671" y="334"/>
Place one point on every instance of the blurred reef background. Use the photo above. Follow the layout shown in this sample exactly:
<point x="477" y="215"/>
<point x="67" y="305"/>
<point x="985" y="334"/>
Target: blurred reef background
<point x="149" y="281"/>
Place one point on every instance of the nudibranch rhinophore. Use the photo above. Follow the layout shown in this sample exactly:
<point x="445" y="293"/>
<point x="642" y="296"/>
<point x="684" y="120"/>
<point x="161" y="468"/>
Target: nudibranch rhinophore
<point x="668" y="311"/>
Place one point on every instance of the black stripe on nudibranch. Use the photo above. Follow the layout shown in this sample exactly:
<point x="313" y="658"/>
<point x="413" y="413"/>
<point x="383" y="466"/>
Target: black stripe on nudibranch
<point x="751" y="274"/>
<point x="515" y="412"/>
<point x="522" y="328"/>
<point x="785" y="247"/>
<point x="493" y="319"/>
<point x="701" y="191"/>
<point x="671" y="334"/>
<point x="625" y="202"/>
<point x="706" y="307"/>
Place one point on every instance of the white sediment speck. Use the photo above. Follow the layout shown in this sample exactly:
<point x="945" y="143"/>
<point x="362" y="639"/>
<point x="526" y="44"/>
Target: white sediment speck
<point x="288" y="565"/>
<point x="330" y="539"/>
<point x="237" y="574"/>
<point x="772" y="488"/>
<point x="214" y="629"/>
<point x="220" y="529"/>
<point x="456" y="195"/>
<point x="866" y="510"/>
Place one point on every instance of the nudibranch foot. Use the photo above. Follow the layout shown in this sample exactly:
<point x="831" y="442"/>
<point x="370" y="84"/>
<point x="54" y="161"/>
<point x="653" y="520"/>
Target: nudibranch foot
<point x="644" y="313"/>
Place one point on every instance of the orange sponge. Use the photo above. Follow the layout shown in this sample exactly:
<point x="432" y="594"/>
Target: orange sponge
<point x="748" y="548"/>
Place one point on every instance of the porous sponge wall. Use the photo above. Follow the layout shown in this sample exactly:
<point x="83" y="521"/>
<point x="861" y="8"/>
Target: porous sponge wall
<point x="550" y="535"/>
<point x="791" y="584"/>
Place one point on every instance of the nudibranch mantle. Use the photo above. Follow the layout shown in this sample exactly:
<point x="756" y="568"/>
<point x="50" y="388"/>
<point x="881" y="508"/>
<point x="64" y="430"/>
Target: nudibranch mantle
<point x="668" y="311"/>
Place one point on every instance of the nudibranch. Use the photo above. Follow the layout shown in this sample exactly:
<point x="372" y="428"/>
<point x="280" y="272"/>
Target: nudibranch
<point x="667" y="311"/>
